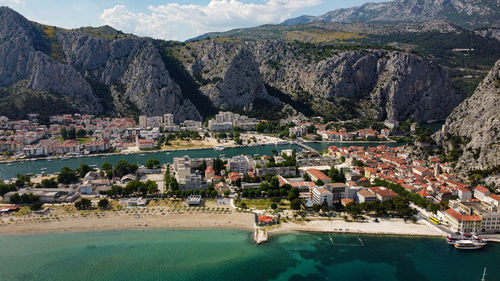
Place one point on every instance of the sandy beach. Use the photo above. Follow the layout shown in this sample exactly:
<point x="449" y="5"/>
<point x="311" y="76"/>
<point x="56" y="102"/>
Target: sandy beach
<point x="121" y="220"/>
<point x="225" y="218"/>
<point x="384" y="227"/>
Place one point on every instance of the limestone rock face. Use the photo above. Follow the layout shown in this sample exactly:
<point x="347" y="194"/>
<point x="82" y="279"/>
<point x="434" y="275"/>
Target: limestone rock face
<point x="477" y="120"/>
<point x="91" y="67"/>
<point x="399" y="85"/>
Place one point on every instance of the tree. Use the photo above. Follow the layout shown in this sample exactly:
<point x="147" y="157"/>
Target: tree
<point x="83" y="204"/>
<point x="306" y="177"/>
<point x="106" y="166"/>
<point x="342" y="159"/>
<point x="103" y="203"/>
<point x="174" y="185"/>
<point x="316" y="208"/>
<point x="152" y="163"/>
<point x="226" y="193"/>
<point x="293" y="194"/>
<point x="122" y="168"/>
<point x="83" y="169"/>
<point x="296" y="204"/>
<point x="36" y="206"/>
<point x="15" y="198"/>
<point x="67" y="176"/>
<point x="115" y="191"/>
<point x="152" y="187"/>
<point x="274" y="206"/>
<point x="48" y="183"/>
<point x="319" y="182"/>
<point x="81" y="133"/>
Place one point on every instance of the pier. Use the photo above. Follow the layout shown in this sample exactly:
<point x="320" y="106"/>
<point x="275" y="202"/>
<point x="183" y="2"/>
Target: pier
<point x="260" y="235"/>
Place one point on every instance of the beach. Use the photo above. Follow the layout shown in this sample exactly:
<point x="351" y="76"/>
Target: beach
<point x="384" y="227"/>
<point x="162" y="217"/>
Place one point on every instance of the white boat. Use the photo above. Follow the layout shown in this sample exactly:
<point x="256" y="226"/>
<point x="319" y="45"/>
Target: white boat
<point x="10" y="164"/>
<point x="43" y="169"/>
<point x="452" y="238"/>
<point x="469" y="245"/>
<point x="219" y="148"/>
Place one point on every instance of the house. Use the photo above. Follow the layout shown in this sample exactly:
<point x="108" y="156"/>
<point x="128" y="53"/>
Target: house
<point x="383" y="193"/>
<point x="422" y="172"/>
<point x="366" y="195"/>
<point x="146" y="144"/>
<point x="319" y="195"/>
<point x="464" y="194"/>
<point x="97" y="146"/>
<point x="209" y="172"/>
<point x="481" y="192"/>
<point x="68" y="146"/>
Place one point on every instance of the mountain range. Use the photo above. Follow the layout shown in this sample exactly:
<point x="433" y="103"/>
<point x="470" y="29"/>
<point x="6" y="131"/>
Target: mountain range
<point x="471" y="14"/>
<point x="103" y="71"/>
<point x="335" y="70"/>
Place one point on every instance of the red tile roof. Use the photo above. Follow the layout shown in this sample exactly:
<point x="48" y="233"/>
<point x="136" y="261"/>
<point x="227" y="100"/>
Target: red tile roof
<point x="317" y="174"/>
<point x="482" y="189"/>
<point x="461" y="217"/>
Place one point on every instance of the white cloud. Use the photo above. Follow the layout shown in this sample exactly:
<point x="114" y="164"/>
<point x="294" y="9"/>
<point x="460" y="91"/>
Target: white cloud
<point x="11" y="2"/>
<point x="179" y="22"/>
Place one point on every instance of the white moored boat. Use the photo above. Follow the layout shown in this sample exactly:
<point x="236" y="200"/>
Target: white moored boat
<point x="469" y="245"/>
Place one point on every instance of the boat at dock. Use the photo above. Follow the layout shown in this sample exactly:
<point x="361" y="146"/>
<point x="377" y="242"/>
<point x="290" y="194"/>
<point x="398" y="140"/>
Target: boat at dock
<point x="452" y="238"/>
<point x="219" y="148"/>
<point x="469" y="245"/>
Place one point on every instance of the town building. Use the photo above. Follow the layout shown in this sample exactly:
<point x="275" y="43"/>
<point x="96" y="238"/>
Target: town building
<point x="316" y="175"/>
<point x="366" y="195"/>
<point x="238" y="164"/>
<point x="322" y="194"/>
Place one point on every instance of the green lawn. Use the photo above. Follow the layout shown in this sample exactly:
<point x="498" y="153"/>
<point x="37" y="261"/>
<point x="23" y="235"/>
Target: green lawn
<point x="258" y="203"/>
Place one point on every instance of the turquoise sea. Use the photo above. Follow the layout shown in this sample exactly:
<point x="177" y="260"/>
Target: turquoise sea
<point x="230" y="255"/>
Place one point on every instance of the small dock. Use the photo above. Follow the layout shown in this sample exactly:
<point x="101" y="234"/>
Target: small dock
<point x="260" y="236"/>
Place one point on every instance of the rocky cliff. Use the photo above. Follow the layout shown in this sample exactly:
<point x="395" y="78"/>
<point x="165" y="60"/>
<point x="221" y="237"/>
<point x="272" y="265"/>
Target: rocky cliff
<point x="470" y="14"/>
<point x="388" y="84"/>
<point x="102" y="70"/>
<point x="473" y="128"/>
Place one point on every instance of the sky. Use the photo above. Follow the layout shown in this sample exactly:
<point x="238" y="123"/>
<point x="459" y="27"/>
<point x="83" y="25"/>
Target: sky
<point x="172" y="19"/>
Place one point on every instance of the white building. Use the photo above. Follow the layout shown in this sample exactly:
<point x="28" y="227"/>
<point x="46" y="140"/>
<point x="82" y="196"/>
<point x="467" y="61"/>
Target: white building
<point x="321" y="194"/>
<point x="238" y="164"/>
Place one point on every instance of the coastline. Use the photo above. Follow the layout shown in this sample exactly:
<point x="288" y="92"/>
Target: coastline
<point x="198" y="221"/>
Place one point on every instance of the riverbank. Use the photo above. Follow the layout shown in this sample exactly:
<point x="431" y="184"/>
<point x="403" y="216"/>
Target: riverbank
<point x="165" y="149"/>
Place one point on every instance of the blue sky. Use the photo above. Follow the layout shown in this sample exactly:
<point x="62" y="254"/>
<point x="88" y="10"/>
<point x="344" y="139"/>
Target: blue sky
<point x="172" y="19"/>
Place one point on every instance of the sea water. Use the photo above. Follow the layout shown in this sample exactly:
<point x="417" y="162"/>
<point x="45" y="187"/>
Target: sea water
<point x="231" y="255"/>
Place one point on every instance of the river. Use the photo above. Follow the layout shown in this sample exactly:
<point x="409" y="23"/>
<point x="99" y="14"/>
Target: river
<point x="10" y="170"/>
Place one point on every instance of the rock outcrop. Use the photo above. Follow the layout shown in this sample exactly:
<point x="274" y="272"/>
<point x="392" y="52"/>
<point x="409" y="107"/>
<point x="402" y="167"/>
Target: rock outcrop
<point x="102" y="70"/>
<point x="474" y="126"/>
<point x="398" y="85"/>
